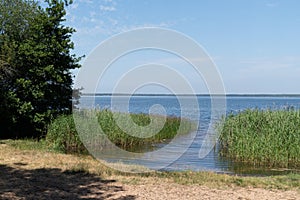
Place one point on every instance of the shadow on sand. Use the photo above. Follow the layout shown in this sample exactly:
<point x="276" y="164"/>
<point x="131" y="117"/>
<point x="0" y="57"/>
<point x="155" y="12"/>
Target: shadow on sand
<point x="52" y="183"/>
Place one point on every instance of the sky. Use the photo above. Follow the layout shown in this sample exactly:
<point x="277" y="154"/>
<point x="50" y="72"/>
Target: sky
<point x="255" y="45"/>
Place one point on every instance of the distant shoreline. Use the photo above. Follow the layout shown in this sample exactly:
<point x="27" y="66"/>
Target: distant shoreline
<point x="200" y="95"/>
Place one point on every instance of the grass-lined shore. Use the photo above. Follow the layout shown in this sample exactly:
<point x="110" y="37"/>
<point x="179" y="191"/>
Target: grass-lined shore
<point x="139" y="136"/>
<point x="262" y="138"/>
<point x="33" y="157"/>
<point x="63" y="136"/>
<point x="30" y="155"/>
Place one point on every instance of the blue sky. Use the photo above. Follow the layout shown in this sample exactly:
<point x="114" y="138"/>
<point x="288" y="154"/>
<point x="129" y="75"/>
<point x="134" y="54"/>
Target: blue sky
<point x="254" y="44"/>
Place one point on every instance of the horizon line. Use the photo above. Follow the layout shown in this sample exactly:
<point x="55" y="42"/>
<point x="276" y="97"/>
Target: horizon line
<point x="198" y="94"/>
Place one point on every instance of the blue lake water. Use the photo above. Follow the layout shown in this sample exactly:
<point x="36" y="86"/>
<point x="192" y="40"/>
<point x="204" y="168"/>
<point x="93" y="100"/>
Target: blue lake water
<point x="189" y="160"/>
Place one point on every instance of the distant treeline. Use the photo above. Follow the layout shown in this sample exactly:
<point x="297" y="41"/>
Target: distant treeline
<point x="200" y="95"/>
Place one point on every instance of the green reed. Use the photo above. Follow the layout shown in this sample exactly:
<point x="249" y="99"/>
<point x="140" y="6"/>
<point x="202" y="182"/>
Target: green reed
<point x="96" y="125"/>
<point x="262" y="137"/>
<point x="139" y="137"/>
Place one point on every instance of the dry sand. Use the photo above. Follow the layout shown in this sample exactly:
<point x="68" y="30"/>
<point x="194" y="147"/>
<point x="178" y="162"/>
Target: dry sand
<point x="24" y="176"/>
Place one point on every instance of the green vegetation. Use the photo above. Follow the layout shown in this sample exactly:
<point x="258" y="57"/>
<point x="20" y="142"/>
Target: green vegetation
<point x="62" y="135"/>
<point x="268" y="138"/>
<point x="27" y="144"/>
<point x="35" y="66"/>
<point x="127" y="141"/>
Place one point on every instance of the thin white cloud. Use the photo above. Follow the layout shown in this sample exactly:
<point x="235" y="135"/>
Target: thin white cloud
<point x="282" y="67"/>
<point x="74" y="6"/>
<point x="95" y="21"/>
<point x="107" y="8"/>
<point x="93" y="13"/>
<point x="261" y="75"/>
<point x="272" y="4"/>
<point x="125" y="28"/>
<point x="101" y="18"/>
<point x="175" y="59"/>
<point x="86" y="1"/>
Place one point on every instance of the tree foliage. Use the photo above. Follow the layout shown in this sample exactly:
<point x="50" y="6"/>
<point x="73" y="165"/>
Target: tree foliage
<point x="35" y="66"/>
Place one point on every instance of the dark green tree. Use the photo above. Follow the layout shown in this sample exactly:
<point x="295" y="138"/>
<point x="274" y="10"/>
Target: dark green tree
<point x="36" y="63"/>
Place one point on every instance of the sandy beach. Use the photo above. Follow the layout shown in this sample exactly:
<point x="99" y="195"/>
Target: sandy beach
<point x="29" y="174"/>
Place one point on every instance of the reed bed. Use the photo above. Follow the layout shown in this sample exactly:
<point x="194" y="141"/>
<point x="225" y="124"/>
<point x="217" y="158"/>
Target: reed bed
<point x="63" y="133"/>
<point x="139" y="136"/>
<point x="262" y="138"/>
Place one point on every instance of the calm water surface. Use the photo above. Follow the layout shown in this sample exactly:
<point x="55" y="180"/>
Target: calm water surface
<point x="190" y="159"/>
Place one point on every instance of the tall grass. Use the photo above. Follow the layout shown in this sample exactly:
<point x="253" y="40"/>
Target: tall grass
<point x="127" y="141"/>
<point x="262" y="137"/>
<point x="63" y="136"/>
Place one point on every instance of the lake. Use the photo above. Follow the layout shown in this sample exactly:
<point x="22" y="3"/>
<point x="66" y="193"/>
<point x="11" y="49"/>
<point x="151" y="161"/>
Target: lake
<point x="190" y="160"/>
